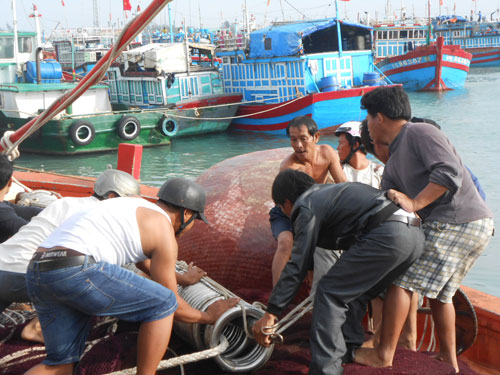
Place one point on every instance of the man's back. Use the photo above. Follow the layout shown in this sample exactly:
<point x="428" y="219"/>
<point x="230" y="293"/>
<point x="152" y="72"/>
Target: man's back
<point x="109" y="231"/>
<point x="16" y="252"/>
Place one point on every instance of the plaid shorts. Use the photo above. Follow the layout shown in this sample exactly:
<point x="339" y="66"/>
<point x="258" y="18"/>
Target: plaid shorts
<point x="449" y="253"/>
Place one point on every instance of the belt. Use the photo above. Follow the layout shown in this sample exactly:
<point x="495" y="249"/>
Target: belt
<point x="413" y="221"/>
<point x="60" y="258"/>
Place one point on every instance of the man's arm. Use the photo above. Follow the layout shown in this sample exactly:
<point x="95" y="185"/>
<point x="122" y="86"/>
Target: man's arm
<point x="159" y="244"/>
<point x="428" y="195"/>
<point x="190" y="277"/>
<point x="334" y="166"/>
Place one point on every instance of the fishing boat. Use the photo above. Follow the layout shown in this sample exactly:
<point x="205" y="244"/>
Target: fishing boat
<point x="318" y="68"/>
<point x="433" y="67"/>
<point x="180" y="77"/>
<point x="481" y="39"/>
<point x="29" y="85"/>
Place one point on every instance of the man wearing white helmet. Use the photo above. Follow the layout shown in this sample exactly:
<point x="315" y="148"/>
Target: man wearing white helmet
<point x="16" y="252"/>
<point x="352" y="153"/>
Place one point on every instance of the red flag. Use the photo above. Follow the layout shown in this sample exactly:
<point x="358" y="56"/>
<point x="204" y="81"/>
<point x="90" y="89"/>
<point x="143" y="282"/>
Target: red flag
<point x="268" y="2"/>
<point x="127" y="5"/>
<point x="440" y="2"/>
<point x="138" y="8"/>
<point x="62" y="2"/>
<point x="344" y="0"/>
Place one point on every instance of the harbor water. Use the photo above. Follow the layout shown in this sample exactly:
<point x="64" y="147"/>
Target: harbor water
<point x="470" y="117"/>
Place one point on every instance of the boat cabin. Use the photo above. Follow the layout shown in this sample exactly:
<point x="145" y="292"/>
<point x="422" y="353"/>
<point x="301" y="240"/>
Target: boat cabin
<point x="287" y="60"/>
<point x="10" y="61"/>
<point x="397" y="39"/>
<point x="467" y="34"/>
<point x="161" y="74"/>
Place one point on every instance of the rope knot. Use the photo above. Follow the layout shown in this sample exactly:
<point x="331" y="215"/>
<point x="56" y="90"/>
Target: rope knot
<point x="10" y="149"/>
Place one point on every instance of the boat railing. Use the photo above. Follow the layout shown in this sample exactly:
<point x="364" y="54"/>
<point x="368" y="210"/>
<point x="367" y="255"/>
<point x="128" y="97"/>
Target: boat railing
<point x="240" y="42"/>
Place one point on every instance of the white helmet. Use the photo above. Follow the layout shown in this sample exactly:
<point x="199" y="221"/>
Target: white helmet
<point x="350" y="127"/>
<point x="119" y="182"/>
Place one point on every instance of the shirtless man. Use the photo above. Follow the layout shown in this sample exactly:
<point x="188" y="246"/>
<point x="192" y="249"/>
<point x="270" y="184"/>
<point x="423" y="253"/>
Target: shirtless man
<point x="321" y="162"/>
<point x="75" y="275"/>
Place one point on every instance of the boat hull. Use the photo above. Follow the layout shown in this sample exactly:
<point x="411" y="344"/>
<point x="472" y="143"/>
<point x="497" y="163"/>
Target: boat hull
<point x="484" y="57"/>
<point x="429" y="68"/>
<point x="54" y="137"/>
<point x="328" y="109"/>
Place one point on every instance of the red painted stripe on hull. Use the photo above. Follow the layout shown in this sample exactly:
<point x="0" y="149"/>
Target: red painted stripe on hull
<point x="410" y="68"/>
<point x="481" y="54"/>
<point x="226" y="99"/>
<point x="486" y="60"/>
<point x="279" y="126"/>
<point x="431" y="50"/>
<point x="455" y="66"/>
<point x="299" y="104"/>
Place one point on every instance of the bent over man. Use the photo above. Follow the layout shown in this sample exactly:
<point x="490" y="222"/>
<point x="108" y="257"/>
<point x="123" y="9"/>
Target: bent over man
<point x="76" y="274"/>
<point x="379" y="246"/>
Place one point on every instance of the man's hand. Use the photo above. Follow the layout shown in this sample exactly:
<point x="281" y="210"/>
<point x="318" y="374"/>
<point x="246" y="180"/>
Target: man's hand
<point x="402" y="200"/>
<point x="216" y="309"/>
<point x="266" y="321"/>
<point x="191" y="276"/>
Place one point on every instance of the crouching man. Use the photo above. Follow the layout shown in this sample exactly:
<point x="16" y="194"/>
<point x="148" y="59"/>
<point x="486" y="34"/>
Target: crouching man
<point x="75" y="274"/>
<point x="381" y="242"/>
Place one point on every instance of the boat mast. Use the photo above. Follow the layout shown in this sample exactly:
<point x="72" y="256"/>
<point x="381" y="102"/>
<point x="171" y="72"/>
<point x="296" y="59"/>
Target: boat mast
<point x="37" y="16"/>
<point x="14" y="23"/>
<point x="428" y="39"/>
<point x="170" y="22"/>
<point x="339" y="34"/>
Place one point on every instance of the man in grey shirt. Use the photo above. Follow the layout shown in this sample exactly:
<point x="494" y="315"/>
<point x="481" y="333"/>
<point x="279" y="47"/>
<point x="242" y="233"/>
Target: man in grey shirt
<point x="426" y="175"/>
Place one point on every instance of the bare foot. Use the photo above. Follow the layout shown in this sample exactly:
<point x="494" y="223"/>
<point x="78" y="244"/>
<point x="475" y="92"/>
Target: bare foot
<point x="370" y="343"/>
<point x="369" y="357"/>
<point x="441" y="357"/>
<point x="407" y="342"/>
<point x="33" y="331"/>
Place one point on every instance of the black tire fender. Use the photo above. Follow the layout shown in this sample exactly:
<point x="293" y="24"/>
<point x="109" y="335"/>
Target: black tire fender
<point x="128" y="128"/>
<point x="168" y="126"/>
<point x="82" y="132"/>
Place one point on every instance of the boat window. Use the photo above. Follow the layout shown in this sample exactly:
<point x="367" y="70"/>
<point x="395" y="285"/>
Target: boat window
<point x="410" y="34"/>
<point x="6" y="48"/>
<point x="326" y="40"/>
<point x="268" y="44"/>
<point x="25" y="44"/>
<point x="384" y="34"/>
<point x="403" y="34"/>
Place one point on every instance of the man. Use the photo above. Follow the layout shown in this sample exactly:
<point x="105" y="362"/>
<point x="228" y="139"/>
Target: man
<point x="352" y="154"/>
<point x="426" y="175"/>
<point x="380" y="245"/>
<point x="75" y="274"/>
<point x="321" y="162"/>
<point x="12" y="216"/>
<point x="16" y="252"/>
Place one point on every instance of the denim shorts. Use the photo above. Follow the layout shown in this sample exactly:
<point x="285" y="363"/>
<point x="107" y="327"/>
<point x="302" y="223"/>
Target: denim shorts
<point x="66" y="299"/>
<point x="279" y="221"/>
<point x="13" y="289"/>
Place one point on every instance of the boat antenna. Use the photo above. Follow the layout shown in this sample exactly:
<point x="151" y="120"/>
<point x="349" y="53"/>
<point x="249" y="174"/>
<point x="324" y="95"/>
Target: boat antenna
<point x="428" y="38"/>
<point x="16" y="41"/>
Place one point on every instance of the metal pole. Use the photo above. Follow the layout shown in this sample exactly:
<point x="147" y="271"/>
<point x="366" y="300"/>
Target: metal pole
<point x="14" y="23"/>
<point x="170" y="22"/>
<point x="339" y="34"/>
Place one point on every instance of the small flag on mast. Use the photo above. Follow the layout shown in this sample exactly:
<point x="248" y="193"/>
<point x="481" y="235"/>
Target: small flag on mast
<point x="127" y="5"/>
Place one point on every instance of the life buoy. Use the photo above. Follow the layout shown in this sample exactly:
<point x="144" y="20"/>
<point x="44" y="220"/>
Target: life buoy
<point x="82" y="132"/>
<point x="128" y="128"/>
<point x="168" y="126"/>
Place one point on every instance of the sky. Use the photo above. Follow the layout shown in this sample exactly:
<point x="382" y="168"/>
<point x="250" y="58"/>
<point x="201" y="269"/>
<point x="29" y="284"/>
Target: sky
<point x="212" y="13"/>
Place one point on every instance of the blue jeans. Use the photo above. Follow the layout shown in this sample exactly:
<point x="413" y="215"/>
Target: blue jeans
<point x="66" y="299"/>
<point x="13" y="289"/>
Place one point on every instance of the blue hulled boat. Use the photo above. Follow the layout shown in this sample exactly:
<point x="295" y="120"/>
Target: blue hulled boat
<point x="315" y="68"/>
<point x="481" y="39"/>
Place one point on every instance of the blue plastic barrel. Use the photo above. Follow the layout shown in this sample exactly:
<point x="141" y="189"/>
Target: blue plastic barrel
<point x="371" y="79"/>
<point x="50" y="70"/>
<point x="327" y="84"/>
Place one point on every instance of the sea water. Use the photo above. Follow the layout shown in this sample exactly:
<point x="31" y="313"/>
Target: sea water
<point x="470" y="117"/>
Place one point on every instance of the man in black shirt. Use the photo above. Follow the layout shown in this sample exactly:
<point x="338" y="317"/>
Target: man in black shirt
<point x="12" y="217"/>
<point x="380" y="245"/>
